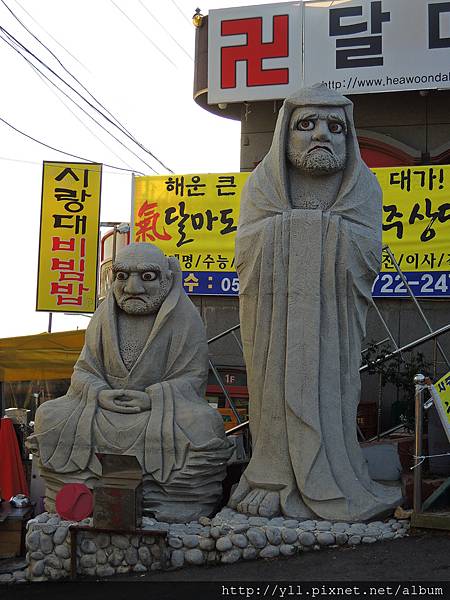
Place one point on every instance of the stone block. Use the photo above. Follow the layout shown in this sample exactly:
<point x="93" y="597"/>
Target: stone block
<point x="194" y="556"/>
<point x="144" y="555"/>
<point x="306" y="538"/>
<point x="239" y="540"/>
<point x="177" y="559"/>
<point x="223" y="544"/>
<point x="120" y="541"/>
<point x="326" y="538"/>
<point x="60" y="535"/>
<point x="257" y="537"/>
<point x="191" y="541"/>
<point x="62" y="551"/>
<point x="270" y="551"/>
<point x="207" y="544"/>
<point x="287" y="549"/>
<point x="231" y="556"/>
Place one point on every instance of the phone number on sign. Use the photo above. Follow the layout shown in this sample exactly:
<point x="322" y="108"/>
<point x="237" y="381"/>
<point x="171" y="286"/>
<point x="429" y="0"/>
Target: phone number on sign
<point x="387" y="284"/>
<point x="230" y="285"/>
<point x="422" y="284"/>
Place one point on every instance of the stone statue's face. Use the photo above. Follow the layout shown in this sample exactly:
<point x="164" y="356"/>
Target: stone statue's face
<point x="316" y="142"/>
<point x="140" y="286"/>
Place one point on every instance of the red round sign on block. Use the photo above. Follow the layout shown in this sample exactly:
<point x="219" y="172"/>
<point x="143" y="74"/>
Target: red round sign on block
<point x="74" y="502"/>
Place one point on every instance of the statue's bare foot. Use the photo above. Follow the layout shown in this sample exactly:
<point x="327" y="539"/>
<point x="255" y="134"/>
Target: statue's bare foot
<point x="264" y="503"/>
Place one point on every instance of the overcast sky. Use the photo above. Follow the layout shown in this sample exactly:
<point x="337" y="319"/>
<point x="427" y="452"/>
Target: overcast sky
<point x="142" y="72"/>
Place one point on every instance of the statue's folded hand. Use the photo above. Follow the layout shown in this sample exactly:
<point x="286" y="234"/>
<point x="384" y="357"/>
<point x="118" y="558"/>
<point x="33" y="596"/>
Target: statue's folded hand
<point x="124" y="401"/>
<point x="134" y="399"/>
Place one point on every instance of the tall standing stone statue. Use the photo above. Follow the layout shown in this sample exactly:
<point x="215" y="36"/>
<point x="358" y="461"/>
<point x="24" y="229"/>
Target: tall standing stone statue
<point x="138" y="388"/>
<point x="308" y="249"/>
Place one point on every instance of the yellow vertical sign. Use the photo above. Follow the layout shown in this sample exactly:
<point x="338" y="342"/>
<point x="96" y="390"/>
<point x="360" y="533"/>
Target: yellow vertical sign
<point x="69" y="230"/>
<point x="441" y="399"/>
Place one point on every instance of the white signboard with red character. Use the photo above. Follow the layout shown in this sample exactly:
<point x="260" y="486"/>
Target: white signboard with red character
<point x="254" y="52"/>
<point x="268" y="51"/>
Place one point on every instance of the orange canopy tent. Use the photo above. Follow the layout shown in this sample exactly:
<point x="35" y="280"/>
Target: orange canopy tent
<point x="42" y="356"/>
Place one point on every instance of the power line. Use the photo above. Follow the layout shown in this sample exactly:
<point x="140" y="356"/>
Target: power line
<point x="166" y="30"/>
<point x="118" y="124"/>
<point x="121" y="126"/>
<point x="35" y="68"/>
<point x="143" y="33"/>
<point x="78" y="118"/>
<point x="85" y="100"/>
<point x="35" y="162"/>
<point x="43" y="29"/>
<point x="180" y="11"/>
<point x="20" y="160"/>
<point x="30" y="137"/>
<point x="54" y="55"/>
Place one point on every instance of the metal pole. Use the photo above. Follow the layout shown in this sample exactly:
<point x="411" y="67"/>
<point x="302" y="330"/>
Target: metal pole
<point x="50" y="318"/>
<point x="410" y="346"/>
<point x="73" y="552"/>
<point x="2" y="399"/>
<point x="376" y="345"/>
<point x="226" y="332"/>
<point x="414" y="299"/>
<point x="380" y="402"/>
<point x="385" y="433"/>
<point x="133" y="190"/>
<point x="385" y="325"/>
<point x="419" y="381"/>
<point x="237" y="428"/>
<point x="237" y="341"/>
<point x="434" y="360"/>
<point x="114" y="248"/>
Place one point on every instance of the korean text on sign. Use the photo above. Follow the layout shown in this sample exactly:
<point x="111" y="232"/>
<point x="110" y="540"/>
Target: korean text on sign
<point x="68" y="246"/>
<point x="193" y="217"/>
<point x="441" y="399"/>
<point x="416" y="227"/>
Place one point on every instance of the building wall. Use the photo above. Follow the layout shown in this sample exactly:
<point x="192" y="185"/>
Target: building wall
<point x="219" y="314"/>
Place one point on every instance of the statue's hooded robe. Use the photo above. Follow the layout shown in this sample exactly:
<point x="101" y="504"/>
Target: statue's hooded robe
<point x="305" y="286"/>
<point x="180" y="442"/>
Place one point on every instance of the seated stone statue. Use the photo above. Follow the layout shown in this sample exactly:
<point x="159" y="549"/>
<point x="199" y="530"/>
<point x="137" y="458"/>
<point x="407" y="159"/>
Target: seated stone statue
<point x="138" y="388"/>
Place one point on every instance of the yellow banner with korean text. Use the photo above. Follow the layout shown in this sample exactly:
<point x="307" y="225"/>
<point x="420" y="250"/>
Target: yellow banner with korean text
<point x="69" y="232"/>
<point x="195" y="216"/>
<point x="416" y="217"/>
<point x="416" y="227"/>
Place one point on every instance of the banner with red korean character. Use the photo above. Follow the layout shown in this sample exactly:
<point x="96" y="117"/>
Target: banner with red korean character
<point x="69" y="232"/>
<point x="194" y="217"/>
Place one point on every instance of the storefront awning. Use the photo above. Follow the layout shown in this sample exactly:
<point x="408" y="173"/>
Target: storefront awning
<point x="41" y="356"/>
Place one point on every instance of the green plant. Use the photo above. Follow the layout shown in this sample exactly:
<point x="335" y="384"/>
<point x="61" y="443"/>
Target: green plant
<point x="399" y="370"/>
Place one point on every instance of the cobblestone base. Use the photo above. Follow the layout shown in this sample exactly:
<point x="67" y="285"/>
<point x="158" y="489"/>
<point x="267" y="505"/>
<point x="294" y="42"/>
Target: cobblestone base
<point x="226" y="538"/>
